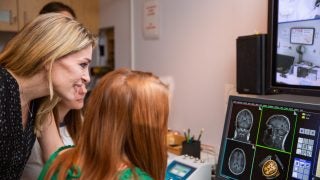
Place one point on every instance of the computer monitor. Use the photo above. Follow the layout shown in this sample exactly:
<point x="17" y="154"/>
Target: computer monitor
<point x="270" y="139"/>
<point x="293" y="29"/>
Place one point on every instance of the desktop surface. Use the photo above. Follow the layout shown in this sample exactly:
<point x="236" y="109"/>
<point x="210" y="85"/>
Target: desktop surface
<point x="302" y="74"/>
<point x="270" y="139"/>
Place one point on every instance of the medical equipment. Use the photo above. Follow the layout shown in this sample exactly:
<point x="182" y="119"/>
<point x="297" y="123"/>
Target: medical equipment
<point x="188" y="168"/>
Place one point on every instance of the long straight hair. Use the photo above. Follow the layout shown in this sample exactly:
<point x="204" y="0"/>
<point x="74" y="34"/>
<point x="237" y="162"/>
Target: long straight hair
<point x="38" y="45"/>
<point x="73" y="119"/>
<point x="125" y="122"/>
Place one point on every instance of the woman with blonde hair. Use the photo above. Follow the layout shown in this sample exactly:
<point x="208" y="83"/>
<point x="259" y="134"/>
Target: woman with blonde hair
<point x="67" y="114"/>
<point x="124" y="134"/>
<point x="47" y="60"/>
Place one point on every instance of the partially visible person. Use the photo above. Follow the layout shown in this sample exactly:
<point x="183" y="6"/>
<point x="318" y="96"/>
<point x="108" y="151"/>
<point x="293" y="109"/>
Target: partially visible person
<point x="67" y="114"/>
<point x="125" y="132"/>
<point x="58" y="7"/>
<point x="47" y="60"/>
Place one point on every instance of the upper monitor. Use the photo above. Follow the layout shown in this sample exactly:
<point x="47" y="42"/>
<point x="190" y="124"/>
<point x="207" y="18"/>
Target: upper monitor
<point x="270" y="139"/>
<point x="293" y="31"/>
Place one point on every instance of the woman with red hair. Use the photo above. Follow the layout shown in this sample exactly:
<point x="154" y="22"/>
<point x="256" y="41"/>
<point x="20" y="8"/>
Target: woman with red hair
<point x="124" y="132"/>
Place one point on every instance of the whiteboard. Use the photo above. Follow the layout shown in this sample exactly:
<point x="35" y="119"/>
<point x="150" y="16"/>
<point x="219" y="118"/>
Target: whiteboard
<point x="300" y="35"/>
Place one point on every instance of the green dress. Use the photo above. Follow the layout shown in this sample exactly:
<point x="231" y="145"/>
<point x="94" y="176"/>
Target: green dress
<point x="126" y="174"/>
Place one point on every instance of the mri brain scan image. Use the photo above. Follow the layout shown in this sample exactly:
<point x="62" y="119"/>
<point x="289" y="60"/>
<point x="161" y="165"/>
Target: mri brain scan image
<point x="278" y="127"/>
<point x="270" y="166"/>
<point x="243" y="125"/>
<point x="237" y="161"/>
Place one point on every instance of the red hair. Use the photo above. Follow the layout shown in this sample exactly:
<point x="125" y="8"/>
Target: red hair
<point x="125" y="122"/>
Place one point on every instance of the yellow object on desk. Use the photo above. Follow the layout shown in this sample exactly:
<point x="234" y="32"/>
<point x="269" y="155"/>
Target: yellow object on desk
<point x="174" y="143"/>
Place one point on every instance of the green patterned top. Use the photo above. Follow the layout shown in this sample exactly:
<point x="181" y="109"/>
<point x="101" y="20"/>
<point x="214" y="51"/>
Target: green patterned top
<point x="75" y="172"/>
<point x="47" y="165"/>
<point x="127" y="174"/>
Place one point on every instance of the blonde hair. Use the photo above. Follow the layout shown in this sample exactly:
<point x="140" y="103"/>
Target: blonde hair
<point x="42" y="41"/>
<point x="125" y="122"/>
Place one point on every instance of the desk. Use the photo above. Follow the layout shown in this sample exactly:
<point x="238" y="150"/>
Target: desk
<point x="309" y="77"/>
<point x="294" y="80"/>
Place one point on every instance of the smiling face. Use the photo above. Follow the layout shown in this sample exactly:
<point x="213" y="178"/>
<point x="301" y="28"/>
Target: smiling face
<point x="70" y="74"/>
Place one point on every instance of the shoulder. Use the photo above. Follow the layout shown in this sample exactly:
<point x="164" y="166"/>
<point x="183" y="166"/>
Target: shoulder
<point x="4" y="74"/>
<point x="9" y="101"/>
<point x="128" y="174"/>
<point x="7" y="81"/>
<point x="51" y="159"/>
<point x="2" y="70"/>
<point x="54" y="155"/>
<point x="65" y="136"/>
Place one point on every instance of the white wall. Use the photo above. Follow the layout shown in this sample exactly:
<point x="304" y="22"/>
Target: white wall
<point x="196" y="51"/>
<point x="116" y="13"/>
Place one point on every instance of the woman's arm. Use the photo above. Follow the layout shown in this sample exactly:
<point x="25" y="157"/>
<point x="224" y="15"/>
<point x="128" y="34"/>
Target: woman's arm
<point x="50" y="139"/>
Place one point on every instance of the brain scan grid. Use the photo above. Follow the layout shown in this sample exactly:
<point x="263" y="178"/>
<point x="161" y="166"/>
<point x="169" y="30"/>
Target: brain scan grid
<point x="268" y="141"/>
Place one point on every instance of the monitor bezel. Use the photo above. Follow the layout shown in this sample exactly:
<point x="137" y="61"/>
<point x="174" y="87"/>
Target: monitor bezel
<point x="275" y="101"/>
<point x="273" y="87"/>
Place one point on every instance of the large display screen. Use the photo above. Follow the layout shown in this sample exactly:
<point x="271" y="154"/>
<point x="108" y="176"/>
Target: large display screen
<point x="270" y="139"/>
<point x="294" y="33"/>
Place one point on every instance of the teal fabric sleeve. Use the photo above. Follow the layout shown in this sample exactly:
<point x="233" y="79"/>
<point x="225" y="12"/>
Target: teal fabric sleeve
<point x="49" y="162"/>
